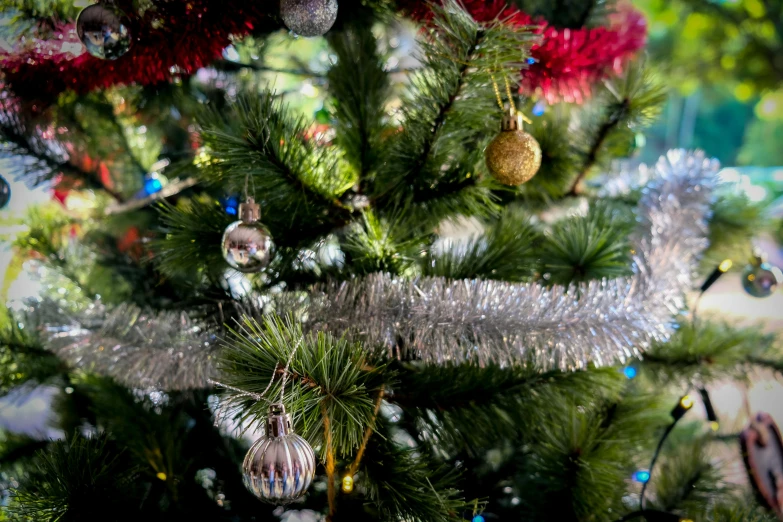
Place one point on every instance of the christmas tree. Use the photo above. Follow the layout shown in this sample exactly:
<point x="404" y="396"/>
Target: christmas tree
<point x="398" y="271"/>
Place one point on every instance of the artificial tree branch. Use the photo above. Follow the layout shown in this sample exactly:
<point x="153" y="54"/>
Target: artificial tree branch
<point x="168" y="191"/>
<point x="367" y="434"/>
<point x="330" y="463"/>
<point x="440" y="118"/>
<point x="595" y="147"/>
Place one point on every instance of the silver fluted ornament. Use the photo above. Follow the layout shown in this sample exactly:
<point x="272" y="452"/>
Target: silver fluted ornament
<point x="246" y="244"/>
<point x="279" y="466"/>
<point x="102" y="30"/>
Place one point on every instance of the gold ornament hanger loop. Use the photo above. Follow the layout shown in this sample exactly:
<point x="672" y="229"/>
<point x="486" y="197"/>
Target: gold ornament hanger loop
<point x="512" y="106"/>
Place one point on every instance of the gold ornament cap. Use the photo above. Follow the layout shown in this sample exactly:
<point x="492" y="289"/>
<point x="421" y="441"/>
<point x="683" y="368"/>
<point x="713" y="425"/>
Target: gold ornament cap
<point x="249" y="211"/>
<point x="512" y="121"/>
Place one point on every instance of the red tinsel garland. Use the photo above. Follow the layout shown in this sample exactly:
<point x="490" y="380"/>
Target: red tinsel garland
<point x="567" y="61"/>
<point x="177" y="38"/>
<point x="173" y="38"/>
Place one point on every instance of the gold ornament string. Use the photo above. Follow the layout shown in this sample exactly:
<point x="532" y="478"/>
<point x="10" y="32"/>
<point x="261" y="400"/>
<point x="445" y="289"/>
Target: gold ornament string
<point x="510" y="97"/>
<point x="495" y="87"/>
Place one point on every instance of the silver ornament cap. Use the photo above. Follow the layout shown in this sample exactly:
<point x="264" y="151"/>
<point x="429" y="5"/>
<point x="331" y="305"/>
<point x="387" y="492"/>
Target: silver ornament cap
<point x="308" y="17"/>
<point x="246" y="244"/>
<point x="101" y="29"/>
<point x="280" y="466"/>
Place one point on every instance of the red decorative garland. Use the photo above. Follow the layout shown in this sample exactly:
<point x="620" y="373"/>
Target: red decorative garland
<point x="568" y="62"/>
<point x="171" y="39"/>
<point x="177" y="38"/>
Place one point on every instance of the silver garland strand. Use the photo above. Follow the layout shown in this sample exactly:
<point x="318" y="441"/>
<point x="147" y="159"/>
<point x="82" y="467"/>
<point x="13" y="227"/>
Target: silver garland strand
<point x="165" y="351"/>
<point x="442" y="321"/>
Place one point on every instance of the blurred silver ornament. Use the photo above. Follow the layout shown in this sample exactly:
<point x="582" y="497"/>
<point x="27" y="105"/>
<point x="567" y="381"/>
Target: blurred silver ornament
<point x="101" y="29"/>
<point x="246" y="244"/>
<point x="308" y="17"/>
<point x="761" y="279"/>
<point x="279" y="466"/>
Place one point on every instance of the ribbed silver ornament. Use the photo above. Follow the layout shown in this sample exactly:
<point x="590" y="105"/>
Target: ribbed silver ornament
<point x="279" y="466"/>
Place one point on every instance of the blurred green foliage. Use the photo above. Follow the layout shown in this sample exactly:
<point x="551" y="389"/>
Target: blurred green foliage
<point x="724" y="62"/>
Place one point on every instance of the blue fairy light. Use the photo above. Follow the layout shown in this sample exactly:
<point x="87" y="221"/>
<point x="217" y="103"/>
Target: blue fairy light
<point x="539" y="108"/>
<point x="629" y="372"/>
<point x="152" y="185"/>
<point x="642" y="476"/>
<point x="231" y="205"/>
<point x="531" y="61"/>
<point x="478" y="518"/>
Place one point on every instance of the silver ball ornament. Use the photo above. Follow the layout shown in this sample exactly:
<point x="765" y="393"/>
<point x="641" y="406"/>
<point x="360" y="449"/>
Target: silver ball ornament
<point x="308" y="17"/>
<point x="279" y="466"/>
<point x="761" y="279"/>
<point x="246" y="244"/>
<point x="5" y="192"/>
<point x="102" y="31"/>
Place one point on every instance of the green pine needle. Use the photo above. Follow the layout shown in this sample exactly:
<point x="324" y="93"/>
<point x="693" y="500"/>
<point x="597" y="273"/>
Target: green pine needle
<point x="434" y="164"/>
<point x="380" y="245"/>
<point x="193" y="233"/>
<point x="403" y="484"/>
<point x="360" y="88"/>
<point x="74" y="479"/>
<point x="324" y="372"/>
<point x="504" y="252"/>
<point x="710" y="350"/>
<point x="592" y="247"/>
<point x="735" y="221"/>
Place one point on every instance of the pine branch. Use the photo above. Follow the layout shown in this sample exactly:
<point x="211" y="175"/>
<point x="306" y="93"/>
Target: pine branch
<point x="687" y="481"/>
<point x="20" y="140"/>
<point x="324" y="372"/>
<point x="403" y="484"/>
<point x="76" y="478"/>
<point x="627" y="102"/>
<point x="607" y="126"/>
<point x="586" y="248"/>
<point x="710" y="351"/>
<point x="360" y="88"/>
<point x="191" y="244"/>
<point x="505" y="252"/>
<point x="381" y="245"/>
<point x="168" y="191"/>
<point x="259" y="144"/>
<point x="580" y="456"/>
<point x="448" y="402"/>
<point x="446" y="117"/>
<point x="735" y="220"/>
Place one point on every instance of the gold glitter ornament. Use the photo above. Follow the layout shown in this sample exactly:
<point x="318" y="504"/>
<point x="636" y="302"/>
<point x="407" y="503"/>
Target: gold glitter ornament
<point x="514" y="156"/>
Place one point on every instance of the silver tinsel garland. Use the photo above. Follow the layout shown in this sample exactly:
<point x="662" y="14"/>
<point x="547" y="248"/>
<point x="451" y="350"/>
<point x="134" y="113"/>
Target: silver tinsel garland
<point x="441" y="321"/>
<point x="164" y="351"/>
<point x="482" y="321"/>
